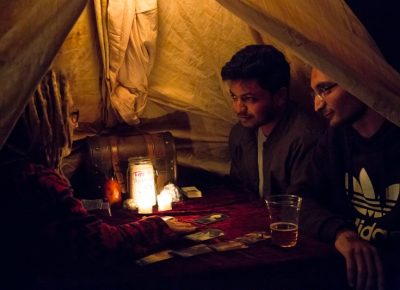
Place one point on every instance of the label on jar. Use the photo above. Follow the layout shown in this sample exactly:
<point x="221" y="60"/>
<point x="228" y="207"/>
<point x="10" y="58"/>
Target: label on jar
<point x="141" y="182"/>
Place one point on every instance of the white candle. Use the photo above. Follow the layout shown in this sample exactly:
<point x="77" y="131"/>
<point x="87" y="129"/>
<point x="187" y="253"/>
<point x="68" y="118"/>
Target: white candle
<point x="144" y="203"/>
<point x="145" y="208"/>
<point x="164" y="201"/>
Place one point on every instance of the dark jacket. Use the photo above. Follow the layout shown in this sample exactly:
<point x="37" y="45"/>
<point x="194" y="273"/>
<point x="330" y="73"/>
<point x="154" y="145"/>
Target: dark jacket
<point x="286" y="151"/>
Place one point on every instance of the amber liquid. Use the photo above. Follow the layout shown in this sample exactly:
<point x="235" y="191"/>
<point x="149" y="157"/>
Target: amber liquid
<point x="284" y="234"/>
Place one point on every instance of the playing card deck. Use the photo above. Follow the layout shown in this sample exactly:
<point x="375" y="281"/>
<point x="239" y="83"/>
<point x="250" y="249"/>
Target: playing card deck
<point x="191" y="192"/>
<point x="205" y="235"/>
<point x="211" y="218"/>
<point x="241" y="242"/>
<point x="192" y="251"/>
<point x="227" y="246"/>
<point x="253" y="237"/>
<point x="153" y="258"/>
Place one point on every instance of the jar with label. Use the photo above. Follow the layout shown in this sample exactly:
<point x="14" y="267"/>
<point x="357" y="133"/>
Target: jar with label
<point x="141" y="181"/>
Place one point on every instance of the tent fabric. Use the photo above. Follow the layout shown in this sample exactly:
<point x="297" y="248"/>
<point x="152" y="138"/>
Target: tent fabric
<point x="186" y="94"/>
<point x="79" y="60"/>
<point x="128" y="37"/>
<point x="29" y="40"/>
<point x="194" y="40"/>
<point x="328" y="36"/>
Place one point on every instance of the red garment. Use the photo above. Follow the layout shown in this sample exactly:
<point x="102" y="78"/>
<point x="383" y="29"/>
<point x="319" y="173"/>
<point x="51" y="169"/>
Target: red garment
<point x="55" y="227"/>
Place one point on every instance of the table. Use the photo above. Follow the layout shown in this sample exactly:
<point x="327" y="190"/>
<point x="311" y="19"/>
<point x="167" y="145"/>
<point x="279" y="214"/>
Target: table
<point x="310" y="265"/>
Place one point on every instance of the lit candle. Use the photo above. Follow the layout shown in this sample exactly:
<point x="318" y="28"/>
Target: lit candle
<point x="144" y="203"/>
<point x="164" y="201"/>
<point x="145" y="208"/>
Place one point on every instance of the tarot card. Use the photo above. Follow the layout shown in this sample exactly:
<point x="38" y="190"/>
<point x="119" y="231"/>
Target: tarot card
<point x="154" y="258"/>
<point x="227" y="246"/>
<point x="211" y="218"/>
<point x="192" y="251"/>
<point x="205" y="235"/>
<point x="253" y="237"/>
<point x="191" y="192"/>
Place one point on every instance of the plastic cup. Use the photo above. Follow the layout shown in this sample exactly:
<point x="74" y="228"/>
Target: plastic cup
<point x="284" y="213"/>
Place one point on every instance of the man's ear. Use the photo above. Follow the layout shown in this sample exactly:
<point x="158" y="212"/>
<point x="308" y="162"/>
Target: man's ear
<point x="281" y="97"/>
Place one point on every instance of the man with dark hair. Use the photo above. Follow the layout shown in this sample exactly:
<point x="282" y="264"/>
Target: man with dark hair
<point x="272" y="140"/>
<point x="355" y="174"/>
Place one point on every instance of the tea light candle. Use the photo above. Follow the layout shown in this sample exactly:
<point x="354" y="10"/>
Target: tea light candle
<point x="164" y="201"/>
<point x="144" y="203"/>
<point x="145" y="208"/>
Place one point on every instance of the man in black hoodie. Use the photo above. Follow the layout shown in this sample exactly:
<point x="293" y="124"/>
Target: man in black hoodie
<point x="355" y="174"/>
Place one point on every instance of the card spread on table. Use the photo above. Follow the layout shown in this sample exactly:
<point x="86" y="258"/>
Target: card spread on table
<point x="253" y="237"/>
<point x="211" y="218"/>
<point x="227" y="246"/>
<point x="153" y="258"/>
<point x="192" y="251"/>
<point x="205" y="235"/>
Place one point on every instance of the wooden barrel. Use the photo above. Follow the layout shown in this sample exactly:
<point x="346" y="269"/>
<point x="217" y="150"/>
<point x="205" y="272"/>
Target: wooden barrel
<point x="111" y="153"/>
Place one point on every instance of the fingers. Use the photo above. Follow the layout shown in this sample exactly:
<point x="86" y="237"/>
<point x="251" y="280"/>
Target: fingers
<point x="351" y="268"/>
<point x="363" y="264"/>
<point x="379" y="270"/>
<point x="371" y="269"/>
<point x="180" y="227"/>
<point x="184" y="226"/>
<point x="362" y="269"/>
<point x="370" y="274"/>
<point x="345" y="245"/>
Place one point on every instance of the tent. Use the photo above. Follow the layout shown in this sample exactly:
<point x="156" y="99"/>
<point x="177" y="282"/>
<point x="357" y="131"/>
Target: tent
<point x="154" y="65"/>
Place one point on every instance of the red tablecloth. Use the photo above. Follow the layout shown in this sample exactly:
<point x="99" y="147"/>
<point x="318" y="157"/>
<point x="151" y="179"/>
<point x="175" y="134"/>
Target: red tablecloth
<point x="309" y="265"/>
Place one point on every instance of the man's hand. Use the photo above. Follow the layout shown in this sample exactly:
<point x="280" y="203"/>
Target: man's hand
<point x="364" y="266"/>
<point x="180" y="227"/>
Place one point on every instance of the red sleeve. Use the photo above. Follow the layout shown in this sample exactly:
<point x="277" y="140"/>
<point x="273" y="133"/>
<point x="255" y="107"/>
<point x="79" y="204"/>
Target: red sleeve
<point x="65" y="226"/>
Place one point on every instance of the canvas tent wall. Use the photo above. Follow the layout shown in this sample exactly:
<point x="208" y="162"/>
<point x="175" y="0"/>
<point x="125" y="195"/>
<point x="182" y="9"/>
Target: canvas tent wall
<point x="185" y="94"/>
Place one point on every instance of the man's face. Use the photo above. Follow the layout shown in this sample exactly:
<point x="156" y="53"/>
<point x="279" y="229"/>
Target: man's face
<point x="72" y="120"/>
<point x="334" y="103"/>
<point x="253" y="105"/>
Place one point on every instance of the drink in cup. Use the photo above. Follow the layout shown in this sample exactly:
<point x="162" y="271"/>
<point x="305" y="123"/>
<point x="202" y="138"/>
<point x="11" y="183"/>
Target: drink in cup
<point x="284" y="219"/>
<point x="284" y="234"/>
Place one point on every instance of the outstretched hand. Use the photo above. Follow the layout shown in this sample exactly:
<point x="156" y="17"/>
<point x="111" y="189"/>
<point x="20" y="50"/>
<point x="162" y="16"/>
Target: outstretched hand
<point x="180" y="227"/>
<point x="364" y="266"/>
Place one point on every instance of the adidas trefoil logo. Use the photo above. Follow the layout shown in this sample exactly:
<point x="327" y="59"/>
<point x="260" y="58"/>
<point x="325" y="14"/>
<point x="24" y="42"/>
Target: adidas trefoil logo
<point x="366" y="202"/>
